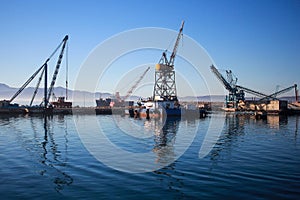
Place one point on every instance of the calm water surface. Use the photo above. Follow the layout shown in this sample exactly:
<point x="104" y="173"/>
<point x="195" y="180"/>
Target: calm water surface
<point x="251" y="159"/>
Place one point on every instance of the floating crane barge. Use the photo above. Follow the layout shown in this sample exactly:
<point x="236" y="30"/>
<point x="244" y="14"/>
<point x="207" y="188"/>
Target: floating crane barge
<point x="46" y="107"/>
<point x="164" y="102"/>
<point x="267" y="104"/>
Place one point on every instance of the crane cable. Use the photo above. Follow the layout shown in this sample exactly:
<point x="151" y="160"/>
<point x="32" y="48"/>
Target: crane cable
<point x="67" y="69"/>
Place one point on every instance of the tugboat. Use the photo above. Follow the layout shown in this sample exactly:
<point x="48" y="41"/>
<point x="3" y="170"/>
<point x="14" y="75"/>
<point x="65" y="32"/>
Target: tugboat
<point x="61" y="106"/>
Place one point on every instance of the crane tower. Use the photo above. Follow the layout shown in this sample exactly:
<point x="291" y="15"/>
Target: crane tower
<point x="165" y="85"/>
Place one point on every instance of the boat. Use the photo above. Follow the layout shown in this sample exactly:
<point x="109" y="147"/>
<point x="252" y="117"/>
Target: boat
<point x="113" y="102"/>
<point x="191" y="110"/>
<point x="156" y="109"/>
<point x="166" y="108"/>
<point x="8" y="108"/>
<point x="61" y="106"/>
<point x="164" y="100"/>
<point x="61" y="103"/>
<point x="103" y="102"/>
<point x="111" y="106"/>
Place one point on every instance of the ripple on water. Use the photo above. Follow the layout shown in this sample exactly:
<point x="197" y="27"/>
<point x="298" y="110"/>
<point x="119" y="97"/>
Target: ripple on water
<point x="251" y="159"/>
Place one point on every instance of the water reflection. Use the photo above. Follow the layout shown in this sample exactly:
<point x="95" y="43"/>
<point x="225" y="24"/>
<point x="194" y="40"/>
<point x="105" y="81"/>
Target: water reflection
<point x="173" y="180"/>
<point x="275" y="121"/>
<point x="35" y="134"/>
<point x="164" y="139"/>
<point x="235" y="125"/>
<point x="297" y="127"/>
<point x="60" y="177"/>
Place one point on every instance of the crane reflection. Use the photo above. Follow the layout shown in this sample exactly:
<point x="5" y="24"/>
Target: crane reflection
<point x="52" y="164"/>
<point x="164" y="139"/>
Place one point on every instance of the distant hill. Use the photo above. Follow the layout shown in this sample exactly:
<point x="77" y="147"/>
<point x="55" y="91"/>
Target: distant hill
<point x="4" y="87"/>
<point x="84" y="98"/>
<point x="206" y="98"/>
<point x="87" y="98"/>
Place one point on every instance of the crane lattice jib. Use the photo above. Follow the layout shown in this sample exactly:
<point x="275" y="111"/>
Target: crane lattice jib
<point x="273" y="96"/>
<point x="57" y="67"/>
<point x="37" y="86"/>
<point x="256" y="93"/>
<point x="221" y="78"/>
<point x="136" y="83"/>
<point x="34" y="75"/>
<point x="173" y="55"/>
<point x="28" y="81"/>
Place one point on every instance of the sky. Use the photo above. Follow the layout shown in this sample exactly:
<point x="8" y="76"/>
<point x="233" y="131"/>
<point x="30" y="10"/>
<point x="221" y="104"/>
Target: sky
<point x="258" y="40"/>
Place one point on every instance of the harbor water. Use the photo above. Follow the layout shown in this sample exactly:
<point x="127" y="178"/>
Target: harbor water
<point x="50" y="158"/>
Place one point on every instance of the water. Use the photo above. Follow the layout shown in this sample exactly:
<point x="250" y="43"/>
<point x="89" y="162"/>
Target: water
<point x="251" y="158"/>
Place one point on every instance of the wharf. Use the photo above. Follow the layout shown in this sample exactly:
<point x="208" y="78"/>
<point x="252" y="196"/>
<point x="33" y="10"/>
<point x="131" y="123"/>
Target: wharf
<point x="63" y="111"/>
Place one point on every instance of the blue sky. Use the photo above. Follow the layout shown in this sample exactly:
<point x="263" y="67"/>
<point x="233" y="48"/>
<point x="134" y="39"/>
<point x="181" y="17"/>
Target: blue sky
<point x="258" y="40"/>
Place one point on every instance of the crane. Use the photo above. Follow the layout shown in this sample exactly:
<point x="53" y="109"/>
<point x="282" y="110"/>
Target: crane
<point x="43" y="70"/>
<point x="265" y="97"/>
<point x="37" y="86"/>
<point x="235" y="95"/>
<point x="136" y="84"/>
<point x="226" y="84"/>
<point x="273" y="96"/>
<point x="251" y="91"/>
<point x="164" y="60"/>
<point x="63" y="43"/>
<point x="28" y="81"/>
<point x="165" y="85"/>
<point x="236" y="92"/>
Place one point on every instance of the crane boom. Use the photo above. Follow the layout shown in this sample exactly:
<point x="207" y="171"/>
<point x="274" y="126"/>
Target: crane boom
<point x="252" y="91"/>
<point x="34" y="74"/>
<point x="28" y="81"/>
<point x="173" y="55"/>
<point x="63" y="43"/>
<point x="221" y="78"/>
<point x="37" y="86"/>
<point x="273" y="96"/>
<point x="164" y="60"/>
<point x="136" y="83"/>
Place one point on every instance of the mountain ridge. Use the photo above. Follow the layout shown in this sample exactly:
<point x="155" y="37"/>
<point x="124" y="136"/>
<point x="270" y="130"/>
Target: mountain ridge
<point x="88" y="98"/>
